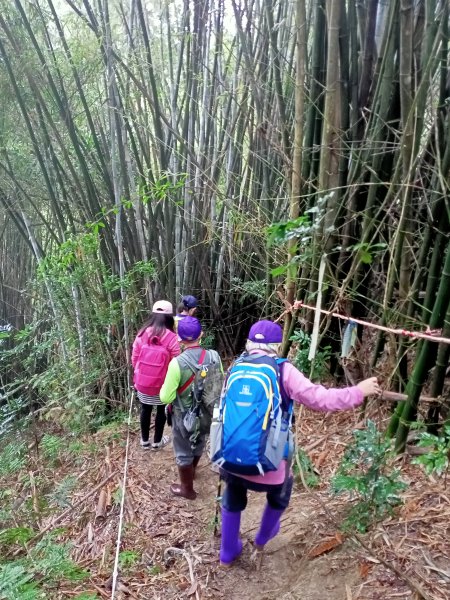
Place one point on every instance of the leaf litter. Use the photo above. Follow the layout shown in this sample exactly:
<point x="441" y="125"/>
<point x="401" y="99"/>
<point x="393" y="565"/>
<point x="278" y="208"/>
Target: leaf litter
<point x="174" y="551"/>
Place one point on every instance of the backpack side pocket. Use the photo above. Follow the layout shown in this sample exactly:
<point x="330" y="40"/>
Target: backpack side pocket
<point x="215" y="438"/>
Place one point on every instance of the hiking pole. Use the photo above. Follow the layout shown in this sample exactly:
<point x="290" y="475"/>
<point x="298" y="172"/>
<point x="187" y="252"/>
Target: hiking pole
<point x="218" y="499"/>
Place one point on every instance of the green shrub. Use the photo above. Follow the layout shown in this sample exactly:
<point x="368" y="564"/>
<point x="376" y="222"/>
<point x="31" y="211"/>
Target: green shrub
<point x="253" y="290"/>
<point x="320" y="363"/>
<point x="128" y="558"/>
<point x="208" y="340"/>
<point x="366" y="474"/>
<point x="436" y="460"/>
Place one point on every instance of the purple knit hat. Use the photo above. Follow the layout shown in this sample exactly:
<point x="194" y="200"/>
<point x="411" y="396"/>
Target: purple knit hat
<point x="189" y="329"/>
<point x="266" y="332"/>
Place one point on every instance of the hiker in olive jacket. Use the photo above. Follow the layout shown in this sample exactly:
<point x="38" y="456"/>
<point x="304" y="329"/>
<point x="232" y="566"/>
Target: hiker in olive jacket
<point x="177" y="388"/>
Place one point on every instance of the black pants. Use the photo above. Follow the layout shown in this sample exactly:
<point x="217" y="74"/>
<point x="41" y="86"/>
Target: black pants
<point x="235" y="495"/>
<point x="160" y="421"/>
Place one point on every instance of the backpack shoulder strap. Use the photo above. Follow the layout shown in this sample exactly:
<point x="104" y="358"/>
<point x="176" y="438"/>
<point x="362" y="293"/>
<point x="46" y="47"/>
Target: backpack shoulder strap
<point x="185" y="385"/>
<point x="244" y="357"/>
<point x="264" y="359"/>
<point x="213" y="356"/>
<point x="287" y="401"/>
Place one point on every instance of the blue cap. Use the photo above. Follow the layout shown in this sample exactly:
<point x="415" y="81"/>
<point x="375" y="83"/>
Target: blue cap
<point x="189" y="302"/>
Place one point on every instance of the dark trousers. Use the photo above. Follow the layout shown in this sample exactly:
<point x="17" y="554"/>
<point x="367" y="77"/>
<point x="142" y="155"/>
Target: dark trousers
<point x="235" y="495"/>
<point x="160" y="421"/>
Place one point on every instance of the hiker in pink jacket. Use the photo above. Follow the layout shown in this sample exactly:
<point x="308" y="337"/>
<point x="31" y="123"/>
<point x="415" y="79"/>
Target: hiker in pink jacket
<point x="264" y="339"/>
<point x="153" y="349"/>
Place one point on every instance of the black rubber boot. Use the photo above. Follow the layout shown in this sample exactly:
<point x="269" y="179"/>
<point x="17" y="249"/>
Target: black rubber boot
<point x="195" y="463"/>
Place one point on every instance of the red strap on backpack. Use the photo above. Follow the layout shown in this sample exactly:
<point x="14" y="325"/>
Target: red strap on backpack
<point x="192" y="377"/>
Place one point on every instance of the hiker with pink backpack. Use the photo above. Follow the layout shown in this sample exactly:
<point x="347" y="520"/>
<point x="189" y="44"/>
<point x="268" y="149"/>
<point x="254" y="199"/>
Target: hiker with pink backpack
<point x="251" y="438"/>
<point x="153" y="349"/>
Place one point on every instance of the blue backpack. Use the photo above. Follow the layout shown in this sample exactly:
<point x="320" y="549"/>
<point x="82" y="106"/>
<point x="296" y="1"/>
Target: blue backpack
<point x="250" y="433"/>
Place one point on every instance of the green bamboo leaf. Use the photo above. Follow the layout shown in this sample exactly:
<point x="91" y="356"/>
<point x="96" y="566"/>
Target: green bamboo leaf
<point x="365" y="257"/>
<point x="279" y="270"/>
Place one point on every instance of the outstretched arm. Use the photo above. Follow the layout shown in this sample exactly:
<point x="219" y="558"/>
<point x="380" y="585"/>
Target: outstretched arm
<point x="317" y="397"/>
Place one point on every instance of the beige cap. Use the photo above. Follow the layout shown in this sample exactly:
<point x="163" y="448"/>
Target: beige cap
<point x="163" y="307"/>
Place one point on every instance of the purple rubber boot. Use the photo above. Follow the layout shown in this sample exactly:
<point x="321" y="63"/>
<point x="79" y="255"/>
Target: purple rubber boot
<point x="231" y="544"/>
<point x="270" y="526"/>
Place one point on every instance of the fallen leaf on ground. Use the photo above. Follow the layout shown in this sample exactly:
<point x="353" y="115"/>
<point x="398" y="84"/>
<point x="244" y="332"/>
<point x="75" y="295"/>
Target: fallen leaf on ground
<point x="326" y="546"/>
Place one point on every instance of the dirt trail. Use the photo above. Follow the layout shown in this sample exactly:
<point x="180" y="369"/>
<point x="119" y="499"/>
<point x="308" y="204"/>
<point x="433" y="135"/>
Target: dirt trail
<point x="176" y="555"/>
<point x="168" y="551"/>
<point x="282" y="572"/>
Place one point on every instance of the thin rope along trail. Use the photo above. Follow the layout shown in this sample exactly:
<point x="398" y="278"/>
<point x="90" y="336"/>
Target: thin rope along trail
<point x="122" y="503"/>
<point x="429" y="334"/>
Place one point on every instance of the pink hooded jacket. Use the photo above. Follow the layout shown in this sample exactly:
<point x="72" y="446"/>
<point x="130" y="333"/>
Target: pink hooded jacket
<point x="300" y="389"/>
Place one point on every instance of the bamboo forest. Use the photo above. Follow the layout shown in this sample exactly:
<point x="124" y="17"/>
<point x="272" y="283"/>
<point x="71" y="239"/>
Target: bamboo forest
<point x="266" y="181"/>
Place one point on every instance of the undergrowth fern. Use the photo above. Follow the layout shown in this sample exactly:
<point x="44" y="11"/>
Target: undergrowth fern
<point x="12" y="458"/>
<point x="15" y="535"/>
<point x="52" y="561"/>
<point x="16" y="583"/>
<point x="63" y="490"/>
<point x="45" y="566"/>
<point x="51" y="446"/>
<point x="5" y="506"/>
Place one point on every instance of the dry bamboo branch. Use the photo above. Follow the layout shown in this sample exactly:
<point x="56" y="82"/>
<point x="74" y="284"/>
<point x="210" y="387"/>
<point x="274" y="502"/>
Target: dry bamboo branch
<point x="184" y="553"/>
<point x="100" y="513"/>
<point x="108" y="460"/>
<point x="35" y="498"/>
<point x="74" y="506"/>
<point x="108" y="498"/>
<point x="397" y="397"/>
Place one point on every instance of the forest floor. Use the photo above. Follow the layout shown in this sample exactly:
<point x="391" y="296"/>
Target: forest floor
<point x="169" y="551"/>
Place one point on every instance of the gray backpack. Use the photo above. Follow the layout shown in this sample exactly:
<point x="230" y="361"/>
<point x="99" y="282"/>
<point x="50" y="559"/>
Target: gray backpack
<point x="206" y="388"/>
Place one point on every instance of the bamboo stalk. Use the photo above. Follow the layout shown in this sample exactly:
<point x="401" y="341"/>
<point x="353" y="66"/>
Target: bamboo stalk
<point x="406" y="411"/>
<point x="297" y="162"/>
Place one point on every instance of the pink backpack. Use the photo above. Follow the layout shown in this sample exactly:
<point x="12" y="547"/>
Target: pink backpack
<point x="151" y="367"/>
